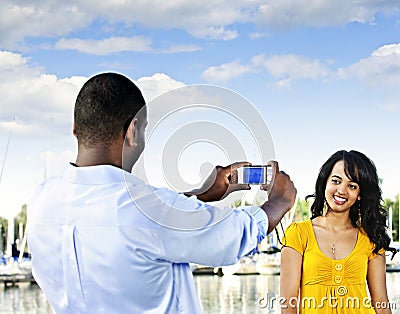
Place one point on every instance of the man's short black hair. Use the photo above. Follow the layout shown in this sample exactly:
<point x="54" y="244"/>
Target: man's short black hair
<point x="105" y="106"/>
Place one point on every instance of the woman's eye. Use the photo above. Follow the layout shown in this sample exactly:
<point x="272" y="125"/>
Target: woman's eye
<point x="353" y="186"/>
<point x="335" y="181"/>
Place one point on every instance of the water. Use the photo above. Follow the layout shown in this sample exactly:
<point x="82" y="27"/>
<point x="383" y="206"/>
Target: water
<point x="24" y="298"/>
<point x="227" y="295"/>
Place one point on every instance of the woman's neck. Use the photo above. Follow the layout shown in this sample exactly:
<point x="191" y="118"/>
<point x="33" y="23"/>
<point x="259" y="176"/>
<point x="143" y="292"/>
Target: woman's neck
<point x="336" y="221"/>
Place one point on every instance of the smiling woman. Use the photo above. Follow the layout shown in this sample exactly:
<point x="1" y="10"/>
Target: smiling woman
<point x="341" y="190"/>
<point x="329" y="257"/>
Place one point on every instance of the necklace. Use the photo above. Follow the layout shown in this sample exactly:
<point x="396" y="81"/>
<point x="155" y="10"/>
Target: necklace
<point x="333" y="247"/>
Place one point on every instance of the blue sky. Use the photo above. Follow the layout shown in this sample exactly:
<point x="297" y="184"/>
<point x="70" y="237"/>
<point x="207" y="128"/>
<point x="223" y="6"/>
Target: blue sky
<point x="324" y="75"/>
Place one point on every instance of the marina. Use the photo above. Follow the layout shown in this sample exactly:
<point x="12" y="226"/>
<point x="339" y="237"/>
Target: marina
<point x="227" y="294"/>
<point x="16" y="273"/>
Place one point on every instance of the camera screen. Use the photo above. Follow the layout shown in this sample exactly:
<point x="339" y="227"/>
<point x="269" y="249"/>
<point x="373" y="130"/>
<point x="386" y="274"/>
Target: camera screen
<point x="254" y="175"/>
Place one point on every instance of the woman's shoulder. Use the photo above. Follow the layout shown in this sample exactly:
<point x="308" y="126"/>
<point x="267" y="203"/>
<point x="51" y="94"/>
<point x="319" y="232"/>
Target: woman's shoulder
<point x="366" y="243"/>
<point x="300" y="226"/>
<point x="297" y="235"/>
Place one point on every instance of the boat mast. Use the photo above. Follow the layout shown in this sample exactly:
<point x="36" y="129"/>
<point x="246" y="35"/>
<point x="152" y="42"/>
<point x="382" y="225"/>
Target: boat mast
<point x="5" y="156"/>
<point x="10" y="233"/>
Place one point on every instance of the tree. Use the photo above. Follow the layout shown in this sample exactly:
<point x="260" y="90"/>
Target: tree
<point x="20" y="219"/>
<point x="238" y="203"/>
<point x="394" y="205"/>
<point x="3" y="234"/>
<point x="302" y="211"/>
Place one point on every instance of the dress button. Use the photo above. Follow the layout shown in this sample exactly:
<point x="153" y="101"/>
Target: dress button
<point x="338" y="279"/>
<point x="338" y="267"/>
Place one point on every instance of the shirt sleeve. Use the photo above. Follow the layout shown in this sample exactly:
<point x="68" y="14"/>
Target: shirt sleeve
<point x="369" y="246"/>
<point x="293" y="238"/>
<point x="259" y="215"/>
<point x="373" y="255"/>
<point x="225" y="236"/>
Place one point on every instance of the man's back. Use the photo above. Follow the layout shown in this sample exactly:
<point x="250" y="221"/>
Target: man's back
<point x="95" y="251"/>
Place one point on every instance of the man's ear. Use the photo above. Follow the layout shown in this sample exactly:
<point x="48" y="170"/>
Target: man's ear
<point x="74" y="129"/>
<point x="131" y="133"/>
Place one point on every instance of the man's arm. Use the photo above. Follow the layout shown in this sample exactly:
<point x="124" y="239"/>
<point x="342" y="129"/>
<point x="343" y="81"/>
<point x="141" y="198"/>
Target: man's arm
<point x="219" y="184"/>
<point x="281" y="190"/>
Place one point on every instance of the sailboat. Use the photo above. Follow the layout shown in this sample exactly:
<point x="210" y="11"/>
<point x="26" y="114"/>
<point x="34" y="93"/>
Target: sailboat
<point x="15" y="266"/>
<point x="393" y="263"/>
<point x="267" y="261"/>
<point x="269" y="258"/>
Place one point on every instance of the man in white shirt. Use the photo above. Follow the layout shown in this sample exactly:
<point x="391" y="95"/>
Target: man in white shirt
<point x="96" y="247"/>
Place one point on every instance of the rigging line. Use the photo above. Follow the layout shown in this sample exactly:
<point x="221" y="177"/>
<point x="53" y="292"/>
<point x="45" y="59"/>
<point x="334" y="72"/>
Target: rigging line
<point x="5" y="156"/>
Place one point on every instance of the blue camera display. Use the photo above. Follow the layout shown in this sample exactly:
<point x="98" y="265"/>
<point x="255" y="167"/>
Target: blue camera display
<point x="254" y="175"/>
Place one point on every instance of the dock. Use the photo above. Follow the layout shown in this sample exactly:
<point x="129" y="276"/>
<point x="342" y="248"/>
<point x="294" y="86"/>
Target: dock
<point x="16" y="272"/>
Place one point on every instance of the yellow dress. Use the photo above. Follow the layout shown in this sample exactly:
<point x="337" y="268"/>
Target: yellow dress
<point x="328" y="285"/>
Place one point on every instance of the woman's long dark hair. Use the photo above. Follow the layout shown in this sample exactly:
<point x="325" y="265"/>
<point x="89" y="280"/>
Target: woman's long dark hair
<point x="360" y="169"/>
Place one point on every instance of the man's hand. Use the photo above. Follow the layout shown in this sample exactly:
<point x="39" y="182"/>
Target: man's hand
<point x="281" y="196"/>
<point x="220" y="183"/>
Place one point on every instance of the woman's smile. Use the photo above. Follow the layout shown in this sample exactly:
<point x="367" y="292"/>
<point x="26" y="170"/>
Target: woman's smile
<point x="339" y="200"/>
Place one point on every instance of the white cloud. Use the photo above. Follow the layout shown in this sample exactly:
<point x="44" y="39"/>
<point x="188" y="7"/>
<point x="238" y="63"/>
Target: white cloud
<point x="387" y="50"/>
<point x="9" y="60"/>
<point x="39" y="18"/>
<point x="286" y="14"/>
<point x="290" y="67"/>
<point x="207" y="19"/>
<point x="111" y="45"/>
<point x="181" y="48"/>
<point x="105" y="46"/>
<point x="258" y="35"/>
<point x="213" y="19"/>
<point x="39" y="104"/>
<point x="282" y="68"/>
<point x="382" y="68"/>
<point x="157" y="84"/>
<point x="47" y="18"/>
<point x="34" y="103"/>
<point x="213" y="32"/>
<point x="226" y="72"/>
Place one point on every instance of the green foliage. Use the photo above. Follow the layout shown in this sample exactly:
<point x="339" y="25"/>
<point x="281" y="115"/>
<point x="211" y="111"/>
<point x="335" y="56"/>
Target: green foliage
<point x="302" y="211"/>
<point x="237" y="203"/>
<point x="3" y="234"/>
<point x="394" y="205"/>
<point x="20" y="219"/>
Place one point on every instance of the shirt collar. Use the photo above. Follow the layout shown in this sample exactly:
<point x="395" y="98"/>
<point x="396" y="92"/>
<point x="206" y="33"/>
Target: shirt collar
<point x="100" y="174"/>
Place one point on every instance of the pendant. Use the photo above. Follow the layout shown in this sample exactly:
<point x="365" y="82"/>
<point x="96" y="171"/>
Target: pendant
<point x="333" y="249"/>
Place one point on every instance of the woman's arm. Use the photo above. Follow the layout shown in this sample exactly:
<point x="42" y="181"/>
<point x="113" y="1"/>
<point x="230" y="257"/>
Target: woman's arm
<point x="376" y="278"/>
<point x="291" y="265"/>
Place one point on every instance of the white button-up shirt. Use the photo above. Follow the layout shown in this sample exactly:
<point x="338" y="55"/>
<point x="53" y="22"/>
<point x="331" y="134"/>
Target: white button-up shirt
<point x="102" y="241"/>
